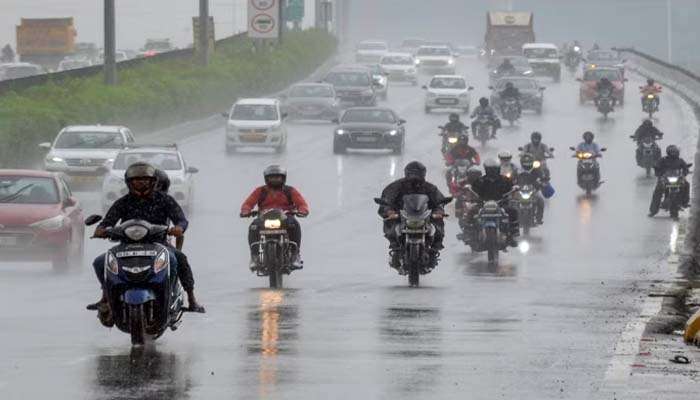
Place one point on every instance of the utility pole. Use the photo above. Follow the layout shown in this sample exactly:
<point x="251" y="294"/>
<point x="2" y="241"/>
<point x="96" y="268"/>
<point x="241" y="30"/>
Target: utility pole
<point x="203" y="32"/>
<point x="110" y="45"/>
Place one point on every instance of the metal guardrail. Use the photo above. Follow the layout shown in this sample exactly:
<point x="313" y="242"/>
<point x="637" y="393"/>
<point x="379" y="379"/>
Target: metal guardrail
<point x="180" y="54"/>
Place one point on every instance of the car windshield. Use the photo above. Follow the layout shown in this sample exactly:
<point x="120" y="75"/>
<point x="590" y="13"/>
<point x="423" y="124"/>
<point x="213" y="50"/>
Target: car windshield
<point x="254" y="112"/>
<point x="540" y="53"/>
<point x="434" y="51"/>
<point x="16" y="72"/>
<point x="379" y="116"/>
<point x="311" y="91"/>
<point x="164" y="160"/>
<point x="27" y="190"/>
<point x="348" y="79"/>
<point x="397" y="60"/>
<point x="372" y="46"/>
<point x="518" y="83"/>
<point x="448" y="83"/>
<point x="598" y="74"/>
<point x="602" y="56"/>
<point x="89" y="140"/>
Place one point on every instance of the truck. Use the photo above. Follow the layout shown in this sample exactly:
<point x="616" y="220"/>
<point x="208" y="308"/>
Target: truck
<point x="507" y="32"/>
<point x="45" y="41"/>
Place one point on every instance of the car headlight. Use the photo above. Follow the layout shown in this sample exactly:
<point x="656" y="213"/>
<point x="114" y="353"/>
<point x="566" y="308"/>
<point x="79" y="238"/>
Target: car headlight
<point x="111" y="264"/>
<point x="527" y="72"/>
<point x="161" y="262"/>
<point x="275" y="128"/>
<point x="136" y="232"/>
<point x="339" y="132"/>
<point x="51" y="224"/>
<point x="393" y="132"/>
<point x="417" y="62"/>
<point x="115" y="181"/>
<point x="450" y="61"/>
<point x="273" y="224"/>
<point x="54" y="159"/>
<point x="672" y="179"/>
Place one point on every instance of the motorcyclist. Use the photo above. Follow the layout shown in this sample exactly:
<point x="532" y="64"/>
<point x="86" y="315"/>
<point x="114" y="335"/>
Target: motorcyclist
<point x="646" y="130"/>
<point x="462" y="151"/>
<point x="508" y="167"/>
<point x="604" y="88"/>
<point x="493" y="186"/>
<point x="8" y="55"/>
<point x="510" y="92"/>
<point x="275" y="194"/>
<point x="413" y="182"/>
<point x="529" y="175"/>
<point x="540" y="151"/>
<point x="589" y="146"/>
<point x="163" y="184"/>
<point x="651" y="88"/>
<point x="465" y="198"/>
<point x="672" y="161"/>
<point x="506" y="67"/>
<point x="484" y="110"/>
<point x="455" y="125"/>
<point x="146" y="203"/>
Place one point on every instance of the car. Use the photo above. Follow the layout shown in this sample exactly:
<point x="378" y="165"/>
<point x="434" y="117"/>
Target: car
<point x="72" y="63"/>
<point x="381" y="82"/>
<point x="590" y="78"/>
<point x="448" y="91"/>
<point x="166" y="157"/>
<point x="256" y="123"/>
<point x="400" y="67"/>
<point x="19" y="70"/>
<point x="411" y="45"/>
<point x="436" y="59"/>
<point x="369" y="128"/>
<point x="40" y="219"/>
<point x="370" y="51"/>
<point x="310" y="101"/>
<point x="604" y="58"/>
<point x="521" y="64"/>
<point x="353" y="85"/>
<point x="156" y="46"/>
<point x="82" y="151"/>
<point x="544" y="59"/>
<point x="531" y="92"/>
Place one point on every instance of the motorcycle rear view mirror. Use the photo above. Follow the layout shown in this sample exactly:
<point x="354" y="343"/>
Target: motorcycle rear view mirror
<point x="447" y="200"/>
<point x="424" y="87"/>
<point x="604" y="149"/>
<point x="380" y="202"/>
<point x="572" y="148"/>
<point x="520" y="149"/>
<point x="402" y="121"/>
<point x="93" y="219"/>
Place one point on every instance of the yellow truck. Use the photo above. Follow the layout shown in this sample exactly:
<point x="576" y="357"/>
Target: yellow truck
<point x="45" y="41"/>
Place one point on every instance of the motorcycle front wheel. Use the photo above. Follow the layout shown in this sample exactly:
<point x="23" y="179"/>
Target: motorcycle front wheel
<point x="137" y="325"/>
<point x="492" y="245"/>
<point x="272" y="262"/>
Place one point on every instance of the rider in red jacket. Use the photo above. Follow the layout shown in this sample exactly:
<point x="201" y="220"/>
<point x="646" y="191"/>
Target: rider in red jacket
<point x="462" y="151"/>
<point x="275" y="194"/>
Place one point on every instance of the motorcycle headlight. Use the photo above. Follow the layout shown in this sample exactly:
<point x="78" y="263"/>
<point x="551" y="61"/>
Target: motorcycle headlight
<point x="51" y="224"/>
<point x="576" y="48"/>
<point x="393" y="132"/>
<point x="525" y="195"/>
<point x="111" y="264"/>
<point x="536" y="164"/>
<point x="672" y="179"/>
<point x="273" y="224"/>
<point x="650" y="96"/>
<point x="415" y="223"/>
<point x="161" y="262"/>
<point x="452" y="140"/>
<point x="136" y="232"/>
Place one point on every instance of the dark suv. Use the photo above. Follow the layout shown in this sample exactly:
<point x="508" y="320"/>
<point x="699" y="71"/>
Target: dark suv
<point x="354" y="86"/>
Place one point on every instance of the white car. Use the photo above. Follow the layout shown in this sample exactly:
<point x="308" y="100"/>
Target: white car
<point x="19" y="70"/>
<point x="371" y="51"/>
<point x="400" y="67"/>
<point x="167" y="158"/>
<point x="436" y="59"/>
<point x="448" y="91"/>
<point x="544" y="59"/>
<point x="81" y="152"/>
<point x="72" y="63"/>
<point x="256" y="123"/>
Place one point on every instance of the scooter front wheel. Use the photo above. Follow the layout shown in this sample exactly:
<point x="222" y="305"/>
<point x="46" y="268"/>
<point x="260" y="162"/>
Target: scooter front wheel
<point x="137" y="325"/>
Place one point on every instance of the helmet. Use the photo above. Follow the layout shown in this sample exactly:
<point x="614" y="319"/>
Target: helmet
<point x="673" y="151"/>
<point x="527" y="161"/>
<point x="454" y="117"/>
<point x="492" y="168"/>
<point x="536" y="137"/>
<point x="650" y="82"/>
<point x="275" y="170"/>
<point x="464" y="139"/>
<point x="415" y="169"/>
<point x="141" y="170"/>
<point x="647" y="123"/>
<point x="588" y="137"/>
<point x="484" y="102"/>
<point x="509" y="85"/>
<point x="505" y="156"/>
<point x="474" y="173"/>
<point x="163" y="184"/>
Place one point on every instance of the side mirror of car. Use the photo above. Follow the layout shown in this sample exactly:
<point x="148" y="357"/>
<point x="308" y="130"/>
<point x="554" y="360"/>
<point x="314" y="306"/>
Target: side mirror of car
<point x="192" y="170"/>
<point x="70" y="202"/>
<point x="424" y="87"/>
<point x="335" y="121"/>
<point x="402" y="121"/>
<point x="93" y="219"/>
<point x="45" y="145"/>
<point x="380" y="202"/>
<point x="572" y="148"/>
<point x="470" y="88"/>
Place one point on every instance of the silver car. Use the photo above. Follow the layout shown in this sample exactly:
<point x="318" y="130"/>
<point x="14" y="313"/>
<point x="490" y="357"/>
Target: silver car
<point x="315" y="101"/>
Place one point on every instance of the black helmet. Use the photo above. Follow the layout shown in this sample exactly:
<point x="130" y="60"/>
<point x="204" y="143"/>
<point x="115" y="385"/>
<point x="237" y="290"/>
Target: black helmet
<point x="275" y="170"/>
<point x="140" y="170"/>
<point x="484" y="102"/>
<point x="527" y="161"/>
<point x="163" y="184"/>
<point x="415" y="169"/>
<point x="509" y="85"/>
<point x="536" y="137"/>
<point x="650" y="82"/>
<point x="492" y="168"/>
<point x="454" y="117"/>
<point x="588" y="137"/>
<point x="673" y="151"/>
<point x="647" y="123"/>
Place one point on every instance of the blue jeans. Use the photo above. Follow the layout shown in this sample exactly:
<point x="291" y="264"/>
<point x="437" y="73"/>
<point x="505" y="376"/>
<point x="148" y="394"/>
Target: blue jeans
<point x="99" y="266"/>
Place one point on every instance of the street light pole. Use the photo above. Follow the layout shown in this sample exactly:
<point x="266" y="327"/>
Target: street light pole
<point x="110" y="45"/>
<point x="203" y="32"/>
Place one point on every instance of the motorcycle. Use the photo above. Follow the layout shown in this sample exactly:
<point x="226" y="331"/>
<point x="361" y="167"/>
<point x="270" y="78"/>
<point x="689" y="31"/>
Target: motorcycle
<point x="275" y="251"/>
<point x="415" y="232"/>
<point x="144" y="294"/>
<point x="509" y="110"/>
<point x="457" y="174"/>
<point x="573" y="59"/>
<point x="604" y="104"/>
<point x="672" y="201"/>
<point x="587" y="170"/>
<point x="483" y="129"/>
<point x="648" y="154"/>
<point x="524" y="202"/>
<point x="449" y="139"/>
<point x="650" y="104"/>
<point x="491" y="227"/>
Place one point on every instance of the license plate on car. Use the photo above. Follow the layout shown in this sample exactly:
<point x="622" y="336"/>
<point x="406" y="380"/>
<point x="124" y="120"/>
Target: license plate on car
<point x="253" y="137"/>
<point x="366" y="139"/>
<point x="8" y="241"/>
<point x="447" y="101"/>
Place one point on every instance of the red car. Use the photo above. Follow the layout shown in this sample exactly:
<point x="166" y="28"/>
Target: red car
<point x="40" y="220"/>
<point x="591" y="76"/>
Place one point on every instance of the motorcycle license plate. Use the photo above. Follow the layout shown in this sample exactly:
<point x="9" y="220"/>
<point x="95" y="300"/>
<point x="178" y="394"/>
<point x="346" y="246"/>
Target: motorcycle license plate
<point x="447" y="101"/>
<point x="8" y="241"/>
<point x="273" y="232"/>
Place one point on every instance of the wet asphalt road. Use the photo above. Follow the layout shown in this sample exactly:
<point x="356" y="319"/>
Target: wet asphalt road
<point x="541" y="325"/>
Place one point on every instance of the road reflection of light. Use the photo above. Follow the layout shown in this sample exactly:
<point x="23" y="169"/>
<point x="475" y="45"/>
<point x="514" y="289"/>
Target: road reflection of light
<point x="339" y="173"/>
<point x="673" y="242"/>
<point x="392" y="167"/>
<point x="585" y="211"/>
<point x="269" y="339"/>
<point x="524" y="247"/>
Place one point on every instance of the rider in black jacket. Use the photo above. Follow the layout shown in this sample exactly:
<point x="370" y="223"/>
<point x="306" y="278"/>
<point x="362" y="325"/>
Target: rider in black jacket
<point x="646" y="130"/>
<point x="671" y="162"/>
<point x="510" y="92"/>
<point x="493" y="186"/>
<point x="455" y="125"/>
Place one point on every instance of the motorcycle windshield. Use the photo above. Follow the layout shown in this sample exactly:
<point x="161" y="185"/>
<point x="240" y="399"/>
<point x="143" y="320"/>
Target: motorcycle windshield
<point x="415" y="204"/>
